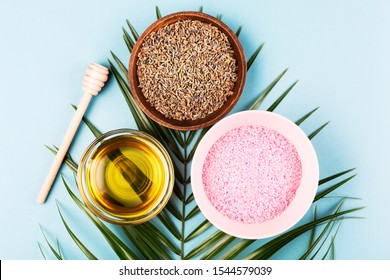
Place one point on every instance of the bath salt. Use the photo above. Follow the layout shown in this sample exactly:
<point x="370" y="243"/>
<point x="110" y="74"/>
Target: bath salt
<point x="251" y="174"/>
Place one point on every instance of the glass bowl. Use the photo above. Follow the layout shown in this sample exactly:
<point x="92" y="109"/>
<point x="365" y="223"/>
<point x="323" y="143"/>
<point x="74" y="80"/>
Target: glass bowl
<point x="125" y="177"/>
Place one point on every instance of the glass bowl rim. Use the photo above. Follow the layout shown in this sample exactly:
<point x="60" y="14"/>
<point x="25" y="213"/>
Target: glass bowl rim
<point x="84" y="190"/>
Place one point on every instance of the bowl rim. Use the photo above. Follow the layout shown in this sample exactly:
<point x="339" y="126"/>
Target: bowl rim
<point x="216" y="115"/>
<point x="163" y="200"/>
<point x="305" y="193"/>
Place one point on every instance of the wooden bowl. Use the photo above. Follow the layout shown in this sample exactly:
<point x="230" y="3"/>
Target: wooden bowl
<point x="216" y="115"/>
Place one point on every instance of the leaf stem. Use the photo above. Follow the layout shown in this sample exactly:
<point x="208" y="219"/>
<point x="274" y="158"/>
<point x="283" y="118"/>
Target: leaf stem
<point x="183" y="206"/>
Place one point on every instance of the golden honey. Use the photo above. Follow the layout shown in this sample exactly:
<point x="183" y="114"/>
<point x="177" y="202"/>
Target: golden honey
<point x="126" y="177"/>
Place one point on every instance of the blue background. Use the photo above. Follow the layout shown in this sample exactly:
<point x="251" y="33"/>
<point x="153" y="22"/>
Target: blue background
<point x="339" y="50"/>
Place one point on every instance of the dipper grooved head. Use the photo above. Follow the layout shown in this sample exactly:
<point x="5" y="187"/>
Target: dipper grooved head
<point x="94" y="79"/>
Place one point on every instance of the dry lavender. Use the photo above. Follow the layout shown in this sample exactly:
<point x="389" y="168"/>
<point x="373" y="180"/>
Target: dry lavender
<point x="186" y="70"/>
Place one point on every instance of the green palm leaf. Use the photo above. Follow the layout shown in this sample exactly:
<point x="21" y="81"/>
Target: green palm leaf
<point x="162" y="237"/>
<point x="238" y="32"/>
<point x="313" y="243"/>
<point x="237" y="249"/>
<point x="68" y="159"/>
<point x="205" y="244"/>
<point x="332" y="177"/>
<point x="318" y="130"/>
<point x="313" y="230"/>
<point x="333" y="188"/>
<point x="169" y="225"/>
<point x="253" y="56"/>
<point x="82" y="247"/>
<point x="270" y="248"/>
<point x="56" y="253"/>
<point x="280" y="99"/>
<point x="41" y="250"/>
<point x="305" y="117"/>
<point x="198" y="230"/>
<point x="256" y="104"/>
<point x="139" y="243"/>
<point x="132" y="29"/>
<point x="215" y="250"/>
<point x="158" y="13"/>
<point x="330" y="245"/>
<point x="119" y="247"/>
<point x="157" y="250"/>
<point x="168" y="236"/>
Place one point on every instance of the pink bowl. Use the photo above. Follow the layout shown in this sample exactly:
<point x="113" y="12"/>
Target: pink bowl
<point x="304" y="195"/>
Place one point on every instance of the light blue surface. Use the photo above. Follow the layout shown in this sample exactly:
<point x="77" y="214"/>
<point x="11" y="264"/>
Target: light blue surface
<point x="339" y="50"/>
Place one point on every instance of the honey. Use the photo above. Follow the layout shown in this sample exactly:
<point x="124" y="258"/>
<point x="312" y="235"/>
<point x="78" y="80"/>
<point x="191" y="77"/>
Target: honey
<point x="126" y="177"/>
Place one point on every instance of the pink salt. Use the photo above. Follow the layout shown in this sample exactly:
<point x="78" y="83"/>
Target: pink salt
<point x="251" y="174"/>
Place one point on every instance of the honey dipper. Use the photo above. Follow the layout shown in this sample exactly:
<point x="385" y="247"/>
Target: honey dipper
<point x="94" y="79"/>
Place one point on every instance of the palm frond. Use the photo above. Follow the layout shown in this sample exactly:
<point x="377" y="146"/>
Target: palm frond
<point x="132" y="29"/>
<point x="281" y="97"/>
<point x="256" y="104"/>
<point x="158" y="13"/>
<point x="270" y="248"/>
<point x="169" y="225"/>
<point x="172" y="209"/>
<point x="237" y="249"/>
<point x="139" y="243"/>
<point x="149" y="240"/>
<point x="318" y="130"/>
<point x="215" y="250"/>
<point x="162" y="237"/>
<point x="82" y="247"/>
<point x="167" y="236"/>
<point x="335" y="176"/>
<point x="313" y="230"/>
<point x="120" y="248"/>
<point x="41" y="250"/>
<point x="238" y="32"/>
<point x="192" y="213"/>
<point x="68" y="159"/>
<point x="56" y="253"/>
<point x="202" y="227"/>
<point x="128" y="40"/>
<point x="333" y="188"/>
<point x="331" y="245"/>
<point x="96" y="132"/>
<point x="327" y="229"/>
<point x="253" y="56"/>
<point x="205" y="244"/>
<point x="306" y="116"/>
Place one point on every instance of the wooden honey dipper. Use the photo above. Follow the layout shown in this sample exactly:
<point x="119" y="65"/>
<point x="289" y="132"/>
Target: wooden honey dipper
<point x="94" y="79"/>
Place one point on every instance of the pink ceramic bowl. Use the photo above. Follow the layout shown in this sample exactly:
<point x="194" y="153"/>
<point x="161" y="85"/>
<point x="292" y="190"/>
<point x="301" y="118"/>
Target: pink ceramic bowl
<point x="304" y="195"/>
